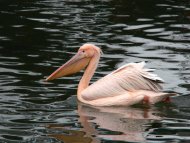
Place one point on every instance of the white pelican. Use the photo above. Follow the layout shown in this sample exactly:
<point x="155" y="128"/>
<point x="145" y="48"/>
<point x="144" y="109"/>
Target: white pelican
<point x="128" y="85"/>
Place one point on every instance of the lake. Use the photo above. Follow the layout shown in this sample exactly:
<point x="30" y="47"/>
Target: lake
<point x="38" y="36"/>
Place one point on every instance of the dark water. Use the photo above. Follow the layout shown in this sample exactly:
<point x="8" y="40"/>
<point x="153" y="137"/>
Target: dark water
<point x="37" y="36"/>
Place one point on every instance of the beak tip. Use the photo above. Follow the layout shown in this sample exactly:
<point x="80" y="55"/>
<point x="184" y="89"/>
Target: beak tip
<point x="47" y="79"/>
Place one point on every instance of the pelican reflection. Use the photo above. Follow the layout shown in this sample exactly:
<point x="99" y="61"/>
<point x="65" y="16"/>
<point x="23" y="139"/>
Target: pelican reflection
<point x="110" y="123"/>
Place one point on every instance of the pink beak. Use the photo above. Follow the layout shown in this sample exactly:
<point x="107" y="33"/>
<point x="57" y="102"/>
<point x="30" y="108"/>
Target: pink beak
<point x="75" y="64"/>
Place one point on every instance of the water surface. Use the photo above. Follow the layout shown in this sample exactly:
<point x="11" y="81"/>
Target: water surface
<point x="37" y="36"/>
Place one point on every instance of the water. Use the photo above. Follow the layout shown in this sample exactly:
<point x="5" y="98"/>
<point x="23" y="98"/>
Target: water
<point x="37" y="36"/>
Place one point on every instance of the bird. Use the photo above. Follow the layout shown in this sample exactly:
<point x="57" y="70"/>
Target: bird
<point x="130" y="84"/>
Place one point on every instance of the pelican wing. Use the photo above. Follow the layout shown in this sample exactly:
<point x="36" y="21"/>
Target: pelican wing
<point x="130" y="77"/>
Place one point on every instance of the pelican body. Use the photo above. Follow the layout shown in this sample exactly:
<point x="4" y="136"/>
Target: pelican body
<point x="128" y="85"/>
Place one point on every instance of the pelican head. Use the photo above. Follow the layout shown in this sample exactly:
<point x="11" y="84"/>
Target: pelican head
<point x="77" y="62"/>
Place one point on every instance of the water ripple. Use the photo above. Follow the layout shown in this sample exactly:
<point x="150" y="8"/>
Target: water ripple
<point x="36" y="37"/>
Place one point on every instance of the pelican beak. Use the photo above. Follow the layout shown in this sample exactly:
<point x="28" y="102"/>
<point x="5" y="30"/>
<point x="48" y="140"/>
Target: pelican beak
<point x="75" y="64"/>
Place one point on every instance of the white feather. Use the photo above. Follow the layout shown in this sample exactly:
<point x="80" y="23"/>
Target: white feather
<point x="130" y="77"/>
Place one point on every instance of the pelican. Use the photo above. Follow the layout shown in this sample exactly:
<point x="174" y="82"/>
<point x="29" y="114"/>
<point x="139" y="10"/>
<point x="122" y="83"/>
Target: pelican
<point x="128" y="85"/>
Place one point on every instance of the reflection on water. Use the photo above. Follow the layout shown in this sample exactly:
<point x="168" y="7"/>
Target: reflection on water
<point x="126" y="124"/>
<point x="37" y="36"/>
<point x="110" y="123"/>
<point x="132" y="124"/>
